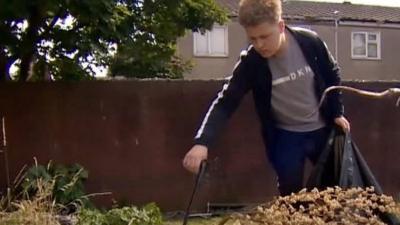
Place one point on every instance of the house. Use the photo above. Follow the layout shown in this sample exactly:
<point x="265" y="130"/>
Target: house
<point x="363" y="38"/>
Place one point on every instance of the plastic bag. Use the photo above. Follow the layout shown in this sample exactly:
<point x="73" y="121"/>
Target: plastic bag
<point x="341" y="164"/>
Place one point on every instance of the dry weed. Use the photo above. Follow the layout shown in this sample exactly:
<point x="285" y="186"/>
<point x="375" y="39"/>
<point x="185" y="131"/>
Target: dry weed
<point x="38" y="210"/>
<point x="331" y="206"/>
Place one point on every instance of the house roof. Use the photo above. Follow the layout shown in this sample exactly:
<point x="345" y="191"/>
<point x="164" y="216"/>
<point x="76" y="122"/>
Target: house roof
<point x="326" y="10"/>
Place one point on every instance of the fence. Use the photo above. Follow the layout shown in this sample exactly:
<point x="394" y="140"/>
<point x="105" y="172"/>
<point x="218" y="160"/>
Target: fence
<point x="132" y="135"/>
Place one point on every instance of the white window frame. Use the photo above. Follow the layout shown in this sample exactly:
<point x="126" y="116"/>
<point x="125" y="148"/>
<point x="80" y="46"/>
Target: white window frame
<point x="377" y="42"/>
<point x="210" y="52"/>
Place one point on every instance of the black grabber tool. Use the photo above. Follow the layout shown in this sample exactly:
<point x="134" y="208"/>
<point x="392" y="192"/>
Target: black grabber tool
<point x="202" y="168"/>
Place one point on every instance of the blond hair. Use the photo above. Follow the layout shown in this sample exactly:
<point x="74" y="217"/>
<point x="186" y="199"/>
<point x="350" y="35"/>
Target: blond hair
<point x="254" y="12"/>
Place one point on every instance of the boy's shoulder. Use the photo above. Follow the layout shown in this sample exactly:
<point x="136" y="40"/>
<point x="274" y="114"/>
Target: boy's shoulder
<point x="249" y="54"/>
<point x="306" y="36"/>
<point x="246" y="52"/>
<point x="303" y="31"/>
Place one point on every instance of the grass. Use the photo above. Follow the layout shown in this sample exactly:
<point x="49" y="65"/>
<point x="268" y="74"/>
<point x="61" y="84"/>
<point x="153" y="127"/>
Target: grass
<point x="41" y="210"/>
<point x="194" y="221"/>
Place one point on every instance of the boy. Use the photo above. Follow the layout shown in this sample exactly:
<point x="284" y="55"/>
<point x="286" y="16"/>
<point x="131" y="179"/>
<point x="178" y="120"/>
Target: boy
<point x="287" y="70"/>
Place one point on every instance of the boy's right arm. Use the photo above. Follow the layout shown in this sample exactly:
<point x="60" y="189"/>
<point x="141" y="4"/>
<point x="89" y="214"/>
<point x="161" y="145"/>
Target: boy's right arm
<point x="225" y="103"/>
<point x="219" y="111"/>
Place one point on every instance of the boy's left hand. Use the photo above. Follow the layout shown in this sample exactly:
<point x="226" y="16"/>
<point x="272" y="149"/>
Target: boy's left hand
<point x="343" y="123"/>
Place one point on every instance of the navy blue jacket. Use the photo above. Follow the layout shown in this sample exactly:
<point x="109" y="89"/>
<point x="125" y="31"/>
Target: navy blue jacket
<point x="252" y="73"/>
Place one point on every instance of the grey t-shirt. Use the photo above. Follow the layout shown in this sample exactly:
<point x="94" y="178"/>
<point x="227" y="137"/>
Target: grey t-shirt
<point x="294" y="101"/>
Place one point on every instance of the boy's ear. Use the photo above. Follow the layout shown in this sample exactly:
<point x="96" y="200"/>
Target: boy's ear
<point x="281" y="25"/>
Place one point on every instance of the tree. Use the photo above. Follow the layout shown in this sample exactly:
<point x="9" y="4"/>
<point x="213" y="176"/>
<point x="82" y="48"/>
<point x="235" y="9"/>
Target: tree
<point x="67" y="39"/>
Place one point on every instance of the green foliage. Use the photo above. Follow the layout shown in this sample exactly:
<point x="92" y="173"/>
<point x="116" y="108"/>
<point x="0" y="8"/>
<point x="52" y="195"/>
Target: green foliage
<point x="150" y="51"/>
<point x="148" y="215"/>
<point x="68" y="188"/>
<point x="66" y="39"/>
<point x="91" y="217"/>
<point x="44" y="186"/>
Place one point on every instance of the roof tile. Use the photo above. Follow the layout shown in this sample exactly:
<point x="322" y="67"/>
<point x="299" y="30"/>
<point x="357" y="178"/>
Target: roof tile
<point x="326" y="10"/>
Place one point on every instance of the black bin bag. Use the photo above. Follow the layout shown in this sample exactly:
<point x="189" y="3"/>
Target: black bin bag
<point x="341" y="164"/>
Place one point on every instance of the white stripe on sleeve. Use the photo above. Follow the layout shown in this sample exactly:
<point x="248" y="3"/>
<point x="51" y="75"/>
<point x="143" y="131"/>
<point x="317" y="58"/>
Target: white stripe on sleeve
<point x="220" y="95"/>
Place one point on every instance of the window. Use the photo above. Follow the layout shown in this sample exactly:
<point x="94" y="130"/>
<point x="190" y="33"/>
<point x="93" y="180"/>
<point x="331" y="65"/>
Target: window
<point x="212" y="43"/>
<point x="366" y="45"/>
